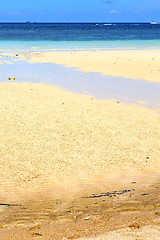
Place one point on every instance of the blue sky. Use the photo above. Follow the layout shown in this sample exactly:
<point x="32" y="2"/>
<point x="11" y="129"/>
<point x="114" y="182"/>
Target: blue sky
<point x="79" y="10"/>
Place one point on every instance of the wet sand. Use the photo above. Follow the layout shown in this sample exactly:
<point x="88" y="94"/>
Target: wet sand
<point x="126" y="214"/>
<point x="73" y="166"/>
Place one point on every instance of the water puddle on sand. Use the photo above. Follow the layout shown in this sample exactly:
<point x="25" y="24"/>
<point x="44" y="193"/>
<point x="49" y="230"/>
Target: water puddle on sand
<point x="94" y="84"/>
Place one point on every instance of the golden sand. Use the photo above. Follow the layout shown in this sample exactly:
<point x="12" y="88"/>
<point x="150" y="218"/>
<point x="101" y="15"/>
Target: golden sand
<point x="51" y="137"/>
<point x="57" y="146"/>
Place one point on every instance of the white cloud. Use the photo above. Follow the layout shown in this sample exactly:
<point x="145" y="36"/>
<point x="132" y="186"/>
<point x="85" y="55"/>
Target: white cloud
<point x="137" y="12"/>
<point x="14" y="13"/>
<point x="11" y="13"/>
<point x="113" y="11"/>
<point x="107" y="1"/>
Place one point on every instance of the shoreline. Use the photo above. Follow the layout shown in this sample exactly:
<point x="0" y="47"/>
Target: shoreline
<point x="133" y="64"/>
<point x="27" y="66"/>
<point x="81" y="45"/>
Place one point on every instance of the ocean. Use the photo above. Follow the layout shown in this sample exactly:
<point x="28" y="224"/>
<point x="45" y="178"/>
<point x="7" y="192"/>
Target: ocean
<point x="79" y="36"/>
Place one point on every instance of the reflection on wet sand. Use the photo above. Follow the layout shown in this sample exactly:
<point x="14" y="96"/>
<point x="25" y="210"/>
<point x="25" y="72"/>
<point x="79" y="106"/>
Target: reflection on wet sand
<point x="100" y="86"/>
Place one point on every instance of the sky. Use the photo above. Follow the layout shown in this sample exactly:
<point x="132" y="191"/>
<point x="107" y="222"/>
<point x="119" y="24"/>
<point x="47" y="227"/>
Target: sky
<point x="79" y="10"/>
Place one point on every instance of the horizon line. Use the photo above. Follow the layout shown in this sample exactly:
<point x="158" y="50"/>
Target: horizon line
<point x="98" y="22"/>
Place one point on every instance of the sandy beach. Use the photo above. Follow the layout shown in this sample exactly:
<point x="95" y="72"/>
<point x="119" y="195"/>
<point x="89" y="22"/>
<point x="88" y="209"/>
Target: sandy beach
<point x="73" y="166"/>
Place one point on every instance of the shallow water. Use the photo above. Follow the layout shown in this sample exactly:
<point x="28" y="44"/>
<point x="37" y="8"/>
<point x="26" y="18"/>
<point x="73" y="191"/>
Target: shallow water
<point x="79" y="45"/>
<point x="94" y="84"/>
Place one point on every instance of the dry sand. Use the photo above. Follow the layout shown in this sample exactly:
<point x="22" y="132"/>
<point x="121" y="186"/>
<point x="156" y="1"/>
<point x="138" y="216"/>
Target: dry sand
<point x="145" y="233"/>
<point x="57" y="147"/>
<point x="75" y="166"/>
<point x="55" y="132"/>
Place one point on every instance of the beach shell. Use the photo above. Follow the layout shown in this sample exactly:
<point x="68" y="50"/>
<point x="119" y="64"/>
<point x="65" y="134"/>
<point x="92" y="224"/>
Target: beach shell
<point x="11" y="78"/>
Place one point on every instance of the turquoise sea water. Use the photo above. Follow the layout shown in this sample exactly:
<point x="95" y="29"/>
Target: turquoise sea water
<point x="79" y="45"/>
<point x="70" y="36"/>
